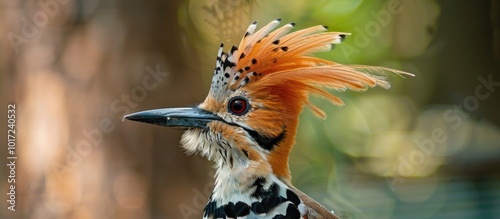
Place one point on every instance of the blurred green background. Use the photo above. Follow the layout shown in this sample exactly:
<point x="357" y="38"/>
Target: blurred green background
<point x="427" y="148"/>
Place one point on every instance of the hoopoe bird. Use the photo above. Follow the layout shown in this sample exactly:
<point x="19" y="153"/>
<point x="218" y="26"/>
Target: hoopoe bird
<point x="247" y="123"/>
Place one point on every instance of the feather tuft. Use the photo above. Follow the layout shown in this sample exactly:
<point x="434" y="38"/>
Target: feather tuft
<point x="274" y="58"/>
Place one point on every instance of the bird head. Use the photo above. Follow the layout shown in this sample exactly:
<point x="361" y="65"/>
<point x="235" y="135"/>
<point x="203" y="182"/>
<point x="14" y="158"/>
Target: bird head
<point x="248" y="121"/>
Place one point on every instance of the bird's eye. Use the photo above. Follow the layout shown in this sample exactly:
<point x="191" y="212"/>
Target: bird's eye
<point x="238" y="106"/>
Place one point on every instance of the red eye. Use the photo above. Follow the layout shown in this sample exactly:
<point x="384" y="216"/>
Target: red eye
<point x="238" y="106"/>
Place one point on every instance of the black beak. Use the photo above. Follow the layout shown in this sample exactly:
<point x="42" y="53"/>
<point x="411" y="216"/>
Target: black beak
<point x="175" y="117"/>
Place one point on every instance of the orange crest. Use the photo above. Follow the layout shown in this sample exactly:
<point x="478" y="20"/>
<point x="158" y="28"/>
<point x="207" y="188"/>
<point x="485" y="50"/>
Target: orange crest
<point x="281" y="60"/>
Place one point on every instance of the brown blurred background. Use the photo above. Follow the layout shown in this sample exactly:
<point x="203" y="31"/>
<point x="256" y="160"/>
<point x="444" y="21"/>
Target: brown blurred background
<point x="427" y="148"/>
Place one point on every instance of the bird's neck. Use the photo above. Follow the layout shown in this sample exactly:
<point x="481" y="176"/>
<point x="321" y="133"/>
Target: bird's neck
<point x="237" y="193"/>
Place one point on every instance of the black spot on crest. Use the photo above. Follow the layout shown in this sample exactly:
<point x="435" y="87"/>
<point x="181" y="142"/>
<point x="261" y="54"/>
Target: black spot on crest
<point x="284" y="48"/>
<point x="276" y="42"/>
<point x="228" y="63"/>
<point x="254" y="61"/>
<point x="234" y="48"/>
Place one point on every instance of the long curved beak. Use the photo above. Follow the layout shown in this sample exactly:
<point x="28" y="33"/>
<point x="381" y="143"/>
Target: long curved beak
<point x="175" y="117"/>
